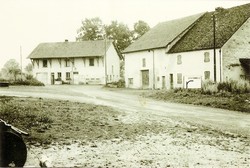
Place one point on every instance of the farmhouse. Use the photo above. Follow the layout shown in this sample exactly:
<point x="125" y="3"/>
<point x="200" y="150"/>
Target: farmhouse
<point x="184" y="52"/>
<point x="85" y="62"/>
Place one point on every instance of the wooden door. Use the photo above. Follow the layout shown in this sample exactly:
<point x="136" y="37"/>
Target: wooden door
<point x="163" y="82"/>
<point x="145" y="78"/>
<point x="171" y="80"/>
<point x="52" y="78"/>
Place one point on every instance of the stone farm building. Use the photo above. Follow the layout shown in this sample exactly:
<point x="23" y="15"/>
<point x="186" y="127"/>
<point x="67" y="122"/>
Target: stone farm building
<point x="85" y="62"/>
<point x="184" y="52"/>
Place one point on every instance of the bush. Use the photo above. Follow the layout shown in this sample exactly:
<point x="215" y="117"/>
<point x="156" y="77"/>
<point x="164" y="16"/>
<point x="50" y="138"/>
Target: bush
<point x="119" y="84"/>
<point x="30" y="82"/>
<point x="233" y="86"/>
<point x="209" y="87"/>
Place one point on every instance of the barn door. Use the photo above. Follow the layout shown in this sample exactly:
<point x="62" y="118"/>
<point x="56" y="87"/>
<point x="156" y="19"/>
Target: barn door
<point x="145" y="78"/>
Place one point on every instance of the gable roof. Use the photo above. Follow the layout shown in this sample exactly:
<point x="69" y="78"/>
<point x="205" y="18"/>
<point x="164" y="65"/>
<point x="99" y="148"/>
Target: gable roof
<point x="70" y="49"/>
<point x="200" y="36"/>
<point x="162" y="34"/>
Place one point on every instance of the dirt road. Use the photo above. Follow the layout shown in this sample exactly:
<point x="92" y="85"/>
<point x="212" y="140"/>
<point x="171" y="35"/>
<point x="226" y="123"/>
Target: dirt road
<point x="132" y="103"/>
<point x="193" y="136"/>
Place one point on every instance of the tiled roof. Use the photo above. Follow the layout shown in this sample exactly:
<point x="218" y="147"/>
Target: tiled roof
<point x="228" y="21"/>
<point x="70" y="49"/>
<point x="162" y="34"/>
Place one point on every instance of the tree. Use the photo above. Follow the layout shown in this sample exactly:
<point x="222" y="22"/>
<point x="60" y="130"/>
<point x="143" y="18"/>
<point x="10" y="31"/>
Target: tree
<point x="11" y="69"/>
<point x="91" y="29"/>
<point x="94" y="29"/>
<point x="140" y="28"/>
<point x="29" y="68"/>
<point x="120" y="33"/>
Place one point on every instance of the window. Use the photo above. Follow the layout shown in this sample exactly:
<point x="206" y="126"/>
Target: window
<point x="130" y="81"/>
<point x="112" y="69"/>
<point x="144" y="62"/>
<point x="97" y="61"/>
<point x="67" y="62"/>
<point x="207" y="75"/>
<point x="91" y="62"/>
<point x="179" y="78"/>
<point x="45" y="63"/>
<point x="67" y="75"/>
<point x="206" y="57"/>
<point x="59" y="75"/>
<point x="179" y="61"/>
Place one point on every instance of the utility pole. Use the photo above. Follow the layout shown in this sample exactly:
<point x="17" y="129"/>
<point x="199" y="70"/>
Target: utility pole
<point x="105" y="59"/>
<point x="153" y="69"/>
<point x="214" y="31"/>
<point x="21" y="64"/>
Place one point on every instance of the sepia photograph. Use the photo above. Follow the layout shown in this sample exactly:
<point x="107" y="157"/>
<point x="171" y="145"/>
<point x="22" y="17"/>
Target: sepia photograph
<point x="125" y="83"/>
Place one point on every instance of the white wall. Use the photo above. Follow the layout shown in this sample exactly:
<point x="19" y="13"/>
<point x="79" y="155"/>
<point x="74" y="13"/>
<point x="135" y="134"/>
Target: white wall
<point x="113" y="65"/>
<point x="133" y="67"/>
<point x="238" y="46"/>
<point x="193" y="65"/>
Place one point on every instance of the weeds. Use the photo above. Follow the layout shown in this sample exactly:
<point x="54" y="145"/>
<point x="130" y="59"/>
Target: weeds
<point x="209" y="87"/>
<point x="28" y="82"/>
<point x="232" y="95"/>
<point x="232" y="86"/>
<point x="25" y="116"/>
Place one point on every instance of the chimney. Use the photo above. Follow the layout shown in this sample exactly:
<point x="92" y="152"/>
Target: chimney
<point x="66" y="40"/>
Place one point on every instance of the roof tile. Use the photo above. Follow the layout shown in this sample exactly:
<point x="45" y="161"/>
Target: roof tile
<point x="70" y="49"/>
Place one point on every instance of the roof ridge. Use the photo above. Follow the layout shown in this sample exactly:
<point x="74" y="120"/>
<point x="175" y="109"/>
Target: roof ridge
<point x="70" y="49"/>
<point x="201" y="35"/>
<point x="163" y="33"/>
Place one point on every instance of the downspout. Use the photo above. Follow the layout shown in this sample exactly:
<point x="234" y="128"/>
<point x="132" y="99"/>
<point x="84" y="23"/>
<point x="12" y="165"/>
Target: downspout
<point x="153" y="69"/>
<point x="214" y="48"/>
<point x="105" y="59"/>
<point x="220" y="66"/>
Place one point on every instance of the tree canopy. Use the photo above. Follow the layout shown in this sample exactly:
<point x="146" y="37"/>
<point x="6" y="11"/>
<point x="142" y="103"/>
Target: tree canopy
<point x="94" y="29"/>
<point x="11" y="69"/>
<point x="120" y="33"/>
<point x="91" y="29"/>
<point x="140" y="28"/>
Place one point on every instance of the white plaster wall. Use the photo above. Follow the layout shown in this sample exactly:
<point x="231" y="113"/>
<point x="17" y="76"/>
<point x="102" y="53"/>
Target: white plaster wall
<point x="193" y="65"/>
<point x="113" y="60"/>
<point x="92" y="73"/>
<point x="86" y="74"/>
<point x="134" y="66"/>
<point x="238" y="46"/>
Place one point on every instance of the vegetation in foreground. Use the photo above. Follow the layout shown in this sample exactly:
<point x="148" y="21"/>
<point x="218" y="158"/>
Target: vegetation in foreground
<point x="230" y="95"/>
<point x="49" y="121"/>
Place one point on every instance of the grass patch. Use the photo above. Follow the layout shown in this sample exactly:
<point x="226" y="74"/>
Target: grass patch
<point x="50" y="121"/>
<point x="224" y="100"/>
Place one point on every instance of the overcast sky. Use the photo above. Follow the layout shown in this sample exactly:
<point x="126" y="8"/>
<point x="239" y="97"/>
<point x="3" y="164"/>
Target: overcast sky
<point x="27" y="23"/>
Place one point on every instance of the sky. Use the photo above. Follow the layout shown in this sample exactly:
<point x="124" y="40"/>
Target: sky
<point x="26" y="23"/>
